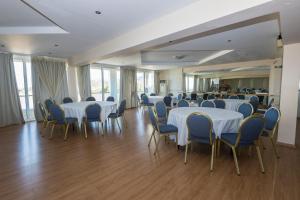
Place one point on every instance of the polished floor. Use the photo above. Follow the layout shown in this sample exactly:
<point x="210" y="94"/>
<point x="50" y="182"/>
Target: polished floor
<point x="120" y="166"/>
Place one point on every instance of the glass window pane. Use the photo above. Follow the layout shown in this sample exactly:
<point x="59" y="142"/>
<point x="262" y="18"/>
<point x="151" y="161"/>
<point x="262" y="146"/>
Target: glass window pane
<point x="106" y="83"/>
<point x="20" y="77"/>
<point x="140" y="82"/>
<point x="150" y="82"/>
<point x="118" y="85"/>
<point x="96" y="83"/>
<point x="29" y="79"/>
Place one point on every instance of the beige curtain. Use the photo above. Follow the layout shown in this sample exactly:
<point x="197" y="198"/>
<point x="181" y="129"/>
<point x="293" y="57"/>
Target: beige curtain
<point x="128" y="87"/>
<point x="156" y="82"/>
<point x="84" y="81"/>
<point x="10" y="107"/>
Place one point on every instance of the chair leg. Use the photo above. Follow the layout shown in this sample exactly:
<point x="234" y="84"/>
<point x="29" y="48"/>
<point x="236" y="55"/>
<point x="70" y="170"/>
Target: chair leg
<point x="66" y="133"/>
<point x="186" y="151"/>
<point x="218" y="146"/>
<point x="102" y="129"/>
<point x="260" y="158"/>
<point x="85" y="131"/>
<point x="151" y="138"/>
<point x="176" y="140"/>
<point x="212" y="157"/>
<point x="235" y="161"/>
<point x="156" y="143"/>
<point x="118" y="125"/>
<point x="51" y="134"/>
<point x="274" y="147"/>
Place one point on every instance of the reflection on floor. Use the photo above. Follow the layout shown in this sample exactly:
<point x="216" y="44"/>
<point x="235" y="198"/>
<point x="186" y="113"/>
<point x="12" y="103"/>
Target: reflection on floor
<point x="120" y="166"/>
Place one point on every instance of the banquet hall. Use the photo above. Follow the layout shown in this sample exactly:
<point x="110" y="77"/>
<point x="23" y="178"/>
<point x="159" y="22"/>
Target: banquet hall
<point x="135" y="99"/>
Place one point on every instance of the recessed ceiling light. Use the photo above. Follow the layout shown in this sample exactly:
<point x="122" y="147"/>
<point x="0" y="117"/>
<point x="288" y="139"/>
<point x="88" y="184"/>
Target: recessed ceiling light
<point x="56" y="45"/>
<point x="98" y="12"/>
<point x="170" y="41"/>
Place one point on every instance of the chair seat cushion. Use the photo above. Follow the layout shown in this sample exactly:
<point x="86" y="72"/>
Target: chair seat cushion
<point x="167" y="128"/>
<point x="204" y="140"/>
<point x="231" y="139"/>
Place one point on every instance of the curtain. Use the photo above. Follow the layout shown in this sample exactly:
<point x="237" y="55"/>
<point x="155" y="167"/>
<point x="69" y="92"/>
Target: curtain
<point x="156" y="82"/>
<point x="10" y="106"/>
<point x="196" y="86"/>
<point x="183" y="82"/>
<point x="128" y="87"/>
<point x="84" y="81"/>
<point x="49" y="80"/>
<point x="207" y="85"/>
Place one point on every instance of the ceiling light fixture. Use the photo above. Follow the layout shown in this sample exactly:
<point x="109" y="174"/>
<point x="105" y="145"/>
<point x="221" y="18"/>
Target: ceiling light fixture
<point x="215" y="55"/>
<point x="279" y="41"/>
<point x="98" y="12"/>
<point x="228" y="40"/>
<point x="56" y="45"/>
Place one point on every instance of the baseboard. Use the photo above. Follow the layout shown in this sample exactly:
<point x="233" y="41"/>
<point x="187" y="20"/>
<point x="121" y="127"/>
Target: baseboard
<point x="292" y="146"/>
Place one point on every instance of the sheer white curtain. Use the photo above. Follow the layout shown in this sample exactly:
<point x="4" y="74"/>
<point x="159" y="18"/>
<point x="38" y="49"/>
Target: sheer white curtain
<point x="183" y="82"/>
<point x="84" y="81"/>
<point x="156" y="82"/>
<point x="10" y="107"/>
<point x="49" y="80"/>
<point x="128" y="87"/>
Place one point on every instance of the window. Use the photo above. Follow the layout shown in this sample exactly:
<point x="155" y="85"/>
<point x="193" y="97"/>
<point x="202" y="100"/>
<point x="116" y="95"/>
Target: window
<point x="22" y="67"/>
<point x="96" y="83"/>
<point x="149" y="82"/>
<point x="140" y="81"/>
<point x="145" y="82"/>
<point x="189" y="83"/>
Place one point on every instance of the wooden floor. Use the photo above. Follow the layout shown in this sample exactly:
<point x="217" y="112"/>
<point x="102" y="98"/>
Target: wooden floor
<point x="120" y="166"/>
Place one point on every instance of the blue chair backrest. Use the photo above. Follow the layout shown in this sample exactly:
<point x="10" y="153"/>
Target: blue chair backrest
<point x="67" y="100"/>
<point x="152" y="118"/>
<point x="43" y="111"/>
<point x="254" y="98"/>
<point x="142" y="95"/>
<point x="246" y="109"/>
<point x="251" y="128"/>
<point x="145" y="99"/>
<point x="205" y="95"/>
<point x="92" y="112"/>
<point x="207" y="103"/>
<point x="48" y="103"/>
<point x="272" y="116"/>
<point x="270" y="103"/>
<point x="161" y="109"/>
<point x="170" y="94"/>
<point x="211" y="96"/>
<point x="194" y="96"/>
<point x="199" y="126"/>
<point x="90" y="99"/>
<point x="179" y="97"/>
<point x="241" y="96"/>
<point x="234" y="97"/>
<point x="57" y="114"/>
<point x="152" y="94"/>
<point x="199" y="101"/>
<point x="168" y="101"/>
<point x="254" y="104"/>
<point x="183" y="103"/>
<point x="122" y="107"/>
<point x="110" y="98"/>
<point x="220" y="103"/>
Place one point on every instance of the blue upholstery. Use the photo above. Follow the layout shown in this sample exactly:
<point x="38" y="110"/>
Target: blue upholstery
<point x="199" y="101"/>
<point x="161" y="109"/>
<point x="179" y="97"/>
<point x="271" y="118"/>
<point x="211" y="96"/>
<point x="152" y="118"/>
<point x="194" y="96"/>
<point x="220" y="103"/>
<point x="205" y="95"/>
<point x="70" y="120"/>
<point x="234" y="97"/>
<point x="184" y="95"/>
<point x="207" y="103"/>
<point x="254" y="104"/>
<point x="146" y="101"/>
<point x="67" y="100"/>
<point x="110" y="98"/>
<point x="120" y="110"/>
<point x="250" y="130"/>
<point x="48" y="103"/>
<point x="168" y="101"/>
<point x="254" y="98"/>
<point x="170" y="94"/>
<point x="58" y="115"/>
<point x="90" y="99"/>
<point x="183" y="103"/>
<point x="246" y="109"/>
<point x="200" y="128"/>
<point x="152" y="94"/>
<point x="92" y="113"/>
<point x="142" y="95"/>
<point x="167" y="128"/>
<point x="241" y="96"/>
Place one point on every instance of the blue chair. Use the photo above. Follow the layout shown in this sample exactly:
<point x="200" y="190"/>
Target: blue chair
<point x="67" y="100"/>
<point x="170" y="94"/>
<point x="179" y="97"/>
<point x="193" y="96"/>
<point x="199" y="101"/>
<point x="48" y="103"/>
<point x="271" y="104"/>
<point x="255" y="103"/>
<point x="161" y="111"/>
<point x="168" y="101"/>
<point x="119" y="114"/>
<point x="272" y="117"/>
<point x="254" y="98"/>
<point x="146" y="101"/>
<point x="152" y="94"/>
<point x="183" y="103"/>
<point x="241" y="96"/>
<point x="220" y="103"/>
<point x="207" y="103"/>
<point x="90" y="99"/>
<point x="92" y="114"/>
<point x="248" y="135"/>
<point x="58" y="118"/>
<point x="200" y="129"/>
<point x="110" y="98"/>
<point x="233" y="97"/>
<point x="246" y="109"/>
<point x="161" y="129"/>
<point x="205" y="95"/>
<point x="46" y="116"/>
<point x="211" y="96"/>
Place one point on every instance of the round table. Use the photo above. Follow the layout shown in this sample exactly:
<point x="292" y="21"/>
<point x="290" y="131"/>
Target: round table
<point x="77" y="109"/>
<point x="224" y="121"/>
<point x="155" y="99"/>
<point x="233" y="104"/>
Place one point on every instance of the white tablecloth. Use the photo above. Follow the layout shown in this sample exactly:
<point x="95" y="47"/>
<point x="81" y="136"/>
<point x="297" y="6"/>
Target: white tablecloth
<point x="224" y="121"/>
<point x="233" y="104"/>
<point x="155" y="99"/>
<point x="77" y="109"/>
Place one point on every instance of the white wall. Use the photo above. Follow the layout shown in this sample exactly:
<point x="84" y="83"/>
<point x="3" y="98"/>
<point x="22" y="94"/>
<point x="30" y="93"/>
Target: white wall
<point x="289" y="94"/>
<point x="174" y="78"/>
